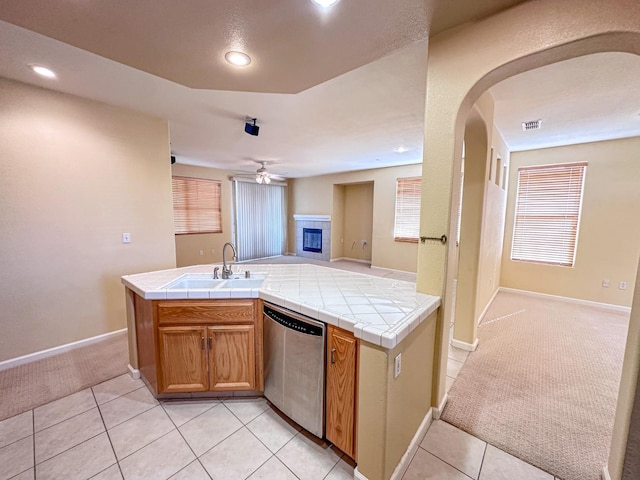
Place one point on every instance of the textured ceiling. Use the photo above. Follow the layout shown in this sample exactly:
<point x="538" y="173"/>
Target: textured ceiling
<point x="358" y="73"/>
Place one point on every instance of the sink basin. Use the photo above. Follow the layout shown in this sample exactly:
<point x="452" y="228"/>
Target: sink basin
<point x="204" y="281"/>
<point x="194" y="281"/>
<point x="253" y="282"/>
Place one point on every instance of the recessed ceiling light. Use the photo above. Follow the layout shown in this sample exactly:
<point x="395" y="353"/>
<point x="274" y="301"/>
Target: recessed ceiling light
<point x="401" y="149"/>
<point x="325" y="3"/>
<point x="43" y="71"/>
<point x="238" y="59"/>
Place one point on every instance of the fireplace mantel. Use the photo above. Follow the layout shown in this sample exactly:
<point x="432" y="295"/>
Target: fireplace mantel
<point x="312" y="218"/>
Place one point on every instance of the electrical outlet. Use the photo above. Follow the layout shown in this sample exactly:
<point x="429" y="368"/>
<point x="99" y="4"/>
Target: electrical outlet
<point x="606" y="283"/>
<point x="201" y="252"/>
<point x="398" y="366"/>
<point x="213" y="251"/>
<point x="126" y="238"/>
<point x="622" y="285"/>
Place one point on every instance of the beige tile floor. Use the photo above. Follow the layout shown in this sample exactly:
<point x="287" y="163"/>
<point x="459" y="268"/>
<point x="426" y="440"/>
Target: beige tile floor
<point x="117" y="430"/>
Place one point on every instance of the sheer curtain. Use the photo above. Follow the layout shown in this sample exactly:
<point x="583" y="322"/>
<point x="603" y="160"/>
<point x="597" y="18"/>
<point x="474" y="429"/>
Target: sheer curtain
<point x="260" y="219"/>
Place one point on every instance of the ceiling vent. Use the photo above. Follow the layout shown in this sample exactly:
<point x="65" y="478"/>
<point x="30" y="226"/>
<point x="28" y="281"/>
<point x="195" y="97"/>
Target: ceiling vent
<point x="532" y="125"/>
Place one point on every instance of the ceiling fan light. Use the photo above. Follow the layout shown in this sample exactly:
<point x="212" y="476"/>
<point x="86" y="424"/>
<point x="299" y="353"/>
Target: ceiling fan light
<point x="267" y="180"/>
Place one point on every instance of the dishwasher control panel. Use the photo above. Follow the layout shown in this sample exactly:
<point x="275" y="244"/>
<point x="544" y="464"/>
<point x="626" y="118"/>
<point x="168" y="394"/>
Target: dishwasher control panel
<point x="293" y="323"/>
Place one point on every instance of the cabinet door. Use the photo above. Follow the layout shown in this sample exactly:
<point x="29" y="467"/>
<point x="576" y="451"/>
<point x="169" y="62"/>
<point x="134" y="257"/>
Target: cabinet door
<point x="342" y="355"/>
<point x="232" y="357"/>
<point x="183" y="359"/>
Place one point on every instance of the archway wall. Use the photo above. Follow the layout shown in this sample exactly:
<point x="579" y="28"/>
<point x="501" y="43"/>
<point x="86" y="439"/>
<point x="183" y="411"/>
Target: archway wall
<point x="462" y="64"/>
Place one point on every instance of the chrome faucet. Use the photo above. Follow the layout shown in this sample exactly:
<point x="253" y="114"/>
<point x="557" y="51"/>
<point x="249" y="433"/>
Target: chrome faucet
<point x="226" y="271"/>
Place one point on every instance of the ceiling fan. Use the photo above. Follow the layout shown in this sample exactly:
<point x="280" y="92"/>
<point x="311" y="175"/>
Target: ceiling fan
<point x="262" y="175"/>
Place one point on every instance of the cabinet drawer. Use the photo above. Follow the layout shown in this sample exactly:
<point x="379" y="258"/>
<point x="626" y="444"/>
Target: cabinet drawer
<point x="190" y="312"/>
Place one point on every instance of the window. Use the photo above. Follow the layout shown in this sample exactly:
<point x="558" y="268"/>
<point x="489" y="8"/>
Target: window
<point x="196" y="205"/>
<point x="261" y="219"/>
<point x="407" y="224"/>
<point x="547" y="216"/>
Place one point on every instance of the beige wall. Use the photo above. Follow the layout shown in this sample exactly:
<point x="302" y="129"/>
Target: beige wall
<point x="315" y="195"/>
<point x="482" y="223"/>
<point x="358" y="213"/>
<point x="609" y="236"/>
<point x="74" y="175"/>
<point x="188" y="247"/>
<point x="390" y="409"/>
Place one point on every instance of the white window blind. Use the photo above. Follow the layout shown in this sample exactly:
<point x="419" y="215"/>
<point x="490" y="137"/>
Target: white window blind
<point x="547" y="215"/>
<point x="261" y="219"/>
<point x="196" y="205"/>
<point x="407" y="223"/>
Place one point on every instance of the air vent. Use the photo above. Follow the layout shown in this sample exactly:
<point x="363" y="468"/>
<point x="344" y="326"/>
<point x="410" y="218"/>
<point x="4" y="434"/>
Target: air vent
<point x="532" y="125"/>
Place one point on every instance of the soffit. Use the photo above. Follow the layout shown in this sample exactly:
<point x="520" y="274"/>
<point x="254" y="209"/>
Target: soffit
<point x="293" y="43"/>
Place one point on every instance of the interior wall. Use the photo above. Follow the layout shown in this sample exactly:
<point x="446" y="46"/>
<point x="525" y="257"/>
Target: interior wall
<point x="315" y="195"/>
<point x="389" y="408"/>
<point x="482" y="222"/>
<point x="358" y="210"/>
<point x="337" y="222"/>
<point x="74" y="175"/>
<point x="203" y="248"/>
<point x="608" y="240"/>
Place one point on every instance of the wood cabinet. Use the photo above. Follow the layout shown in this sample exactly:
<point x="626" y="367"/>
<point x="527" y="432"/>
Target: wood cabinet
<point x="199" y="345"/>
<point x="341" y="392"/>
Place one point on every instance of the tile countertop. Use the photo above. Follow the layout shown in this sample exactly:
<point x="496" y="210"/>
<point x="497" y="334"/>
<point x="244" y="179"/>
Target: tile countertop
<point x="378" y="310"/>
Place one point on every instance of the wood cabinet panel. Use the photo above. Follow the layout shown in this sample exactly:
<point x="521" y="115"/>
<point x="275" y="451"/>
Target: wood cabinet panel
<point x="183" y="359"/>
<point x="205" y="311"/>
<point x="232" y="357"/>
<point x="342" y="357"/>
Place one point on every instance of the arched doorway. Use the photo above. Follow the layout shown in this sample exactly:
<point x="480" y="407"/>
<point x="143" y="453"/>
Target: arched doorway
<point x="463" y="64"/>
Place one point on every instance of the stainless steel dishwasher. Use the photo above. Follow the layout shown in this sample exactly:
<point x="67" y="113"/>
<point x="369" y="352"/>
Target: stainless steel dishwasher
<point x="294" y="356"/>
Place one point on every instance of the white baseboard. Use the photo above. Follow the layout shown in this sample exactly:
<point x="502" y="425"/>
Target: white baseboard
<point x="32" y="357"/>
<point x="579" y="301"/>
<point x="134" y="372"/>
<point x="404" y="462"/>
<point x="357" y="475"/>
<point x="486" y="308"/>
<point x="402" y="466"/>
<point x="348" y="259"/>
<point x="605" y="472"/>
<point x="469" y="347"/>
<point x="437" y="411"/>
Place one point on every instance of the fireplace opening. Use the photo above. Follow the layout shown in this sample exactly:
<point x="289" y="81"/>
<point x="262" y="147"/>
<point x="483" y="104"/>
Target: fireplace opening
<point x="312" y="240"/>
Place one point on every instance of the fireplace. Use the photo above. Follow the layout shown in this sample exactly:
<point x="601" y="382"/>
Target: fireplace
<point x="312" y="240"/>
<point x="313" y="236"/>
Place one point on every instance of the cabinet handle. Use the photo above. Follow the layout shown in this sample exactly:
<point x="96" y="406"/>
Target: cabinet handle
<point x="209" y="341"/>
<point x="333" y="355"/>
<point x="202" y="343"/>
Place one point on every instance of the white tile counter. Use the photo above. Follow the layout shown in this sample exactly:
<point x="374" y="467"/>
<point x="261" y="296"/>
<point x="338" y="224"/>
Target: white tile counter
<point x="378" y="310"/>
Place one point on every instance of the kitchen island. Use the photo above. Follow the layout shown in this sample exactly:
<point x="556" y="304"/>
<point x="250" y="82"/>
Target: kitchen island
<point x="388" y="317"/>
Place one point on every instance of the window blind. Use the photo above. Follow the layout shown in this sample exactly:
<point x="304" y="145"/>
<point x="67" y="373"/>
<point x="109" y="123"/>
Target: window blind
<point x="196" y="205"/>
<point x="261" y="219"/>
<point x="547" y="214"/>
<point x="407" y="222"/>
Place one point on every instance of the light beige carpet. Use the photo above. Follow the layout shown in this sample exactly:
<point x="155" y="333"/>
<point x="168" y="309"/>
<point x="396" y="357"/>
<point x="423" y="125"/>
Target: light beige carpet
<point x="33" y="384"/>
<point x="543" y="383"/>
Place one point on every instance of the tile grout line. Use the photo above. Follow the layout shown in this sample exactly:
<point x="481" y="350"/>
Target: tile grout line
<point x="443" y="461"/>
<point x="484" y="454"/>
<point x="106" y="430"/>
<point x="185" y="440"/>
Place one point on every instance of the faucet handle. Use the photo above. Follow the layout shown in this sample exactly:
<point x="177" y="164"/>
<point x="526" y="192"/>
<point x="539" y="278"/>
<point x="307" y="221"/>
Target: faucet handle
<point x="215" y="273"/>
